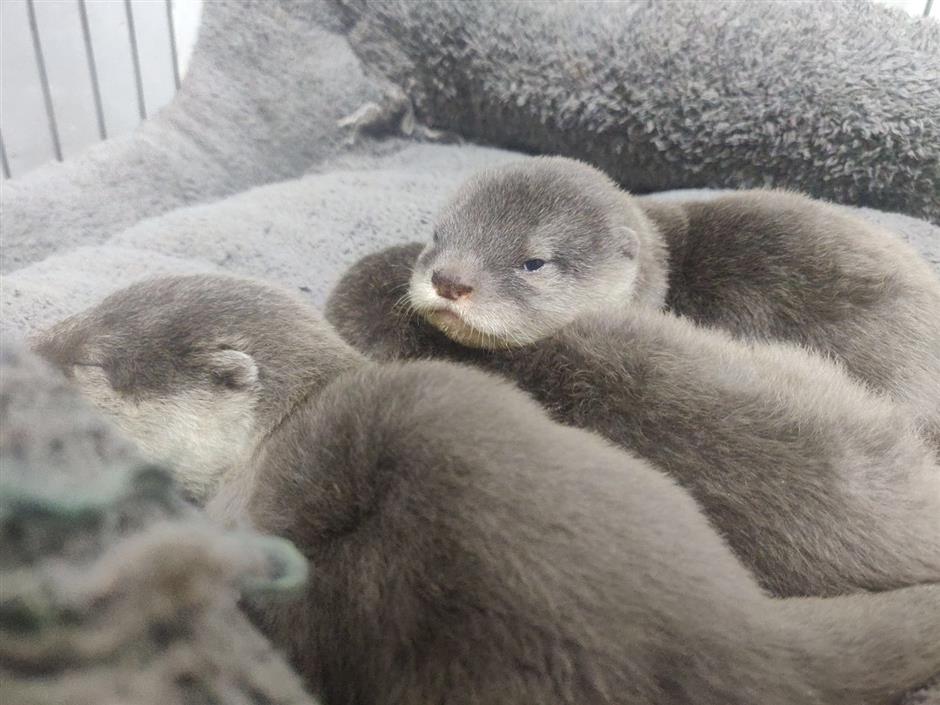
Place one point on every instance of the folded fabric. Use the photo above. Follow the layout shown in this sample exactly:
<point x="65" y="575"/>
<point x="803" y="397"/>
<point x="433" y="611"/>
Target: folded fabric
<point x="835" y="99"/>
<point x="115" y="590"/>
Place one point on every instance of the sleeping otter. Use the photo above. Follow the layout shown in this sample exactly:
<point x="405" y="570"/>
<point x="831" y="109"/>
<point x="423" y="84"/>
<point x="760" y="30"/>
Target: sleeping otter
<point x="464" y="548"/>
<point x="820" y="487"/>
<point x="524" y="249"/>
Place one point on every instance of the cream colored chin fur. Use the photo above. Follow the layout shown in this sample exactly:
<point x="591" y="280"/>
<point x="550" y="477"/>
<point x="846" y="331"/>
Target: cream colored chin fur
<point x="200" y="434"/>
<point x="461" y="332"/>
<point x="426" y="302"/>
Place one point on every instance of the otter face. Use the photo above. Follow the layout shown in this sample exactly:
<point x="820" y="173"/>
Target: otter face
<point x="145" y="359"/>
<point x="524" y="250"/>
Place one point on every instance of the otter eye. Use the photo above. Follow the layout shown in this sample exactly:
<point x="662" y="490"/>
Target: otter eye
<point x="533" y="264"/>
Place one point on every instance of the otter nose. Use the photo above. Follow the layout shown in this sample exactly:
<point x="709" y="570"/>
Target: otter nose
<point x="449" y="288"/>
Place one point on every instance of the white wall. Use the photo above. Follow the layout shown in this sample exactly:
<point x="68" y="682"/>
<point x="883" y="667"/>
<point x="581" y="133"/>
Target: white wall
<point x="25" y="127"/>
<point x="913" y="7"/>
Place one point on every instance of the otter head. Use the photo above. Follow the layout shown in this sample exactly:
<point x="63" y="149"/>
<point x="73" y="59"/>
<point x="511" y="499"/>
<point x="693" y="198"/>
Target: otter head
<point x="525" y="249"/>
<point x="192" y="368"/>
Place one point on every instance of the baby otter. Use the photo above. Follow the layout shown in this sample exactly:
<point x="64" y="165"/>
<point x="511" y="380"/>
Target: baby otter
<point x="820" y="487"/>
<point x="464" y="548"/>
<point x="529" y="247"/>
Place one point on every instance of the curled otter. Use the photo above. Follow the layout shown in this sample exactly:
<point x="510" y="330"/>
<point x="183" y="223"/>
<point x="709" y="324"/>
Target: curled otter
<point x="820" y="486"/>
<point x="464" y="547"/>
<point x="527" y="248"/>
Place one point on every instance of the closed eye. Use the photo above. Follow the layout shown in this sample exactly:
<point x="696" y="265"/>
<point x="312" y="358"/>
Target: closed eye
<point x="533" y="265"/>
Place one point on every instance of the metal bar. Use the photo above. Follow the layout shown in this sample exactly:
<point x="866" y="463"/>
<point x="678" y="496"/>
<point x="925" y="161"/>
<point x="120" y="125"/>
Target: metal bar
<point x="92" y="70"/>
<point x="44" y="80"/>
<point x="173" y="56"/>
<point x="927" y="8"/>
<point x="135" y="58"/>
<point x="3" y="158"/>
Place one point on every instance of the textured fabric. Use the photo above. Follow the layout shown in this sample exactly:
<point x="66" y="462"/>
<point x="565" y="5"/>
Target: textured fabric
<point x="837" y="99"/>
<point x="114" y="590"/>
<point x="266" y="85"/>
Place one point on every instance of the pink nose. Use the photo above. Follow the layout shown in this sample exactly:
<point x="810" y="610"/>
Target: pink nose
<point x="448" y="288"/>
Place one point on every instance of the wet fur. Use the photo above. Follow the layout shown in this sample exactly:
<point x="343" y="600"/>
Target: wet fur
<point x="466" y="549"/>
<point x="820" y="487"/>
<point x="763" y="265"/>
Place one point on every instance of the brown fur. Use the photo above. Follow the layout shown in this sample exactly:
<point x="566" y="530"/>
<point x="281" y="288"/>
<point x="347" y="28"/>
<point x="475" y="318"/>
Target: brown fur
<point x="476" y="552"/>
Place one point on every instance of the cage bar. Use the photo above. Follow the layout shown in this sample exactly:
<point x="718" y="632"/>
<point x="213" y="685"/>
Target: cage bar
<point x="92" y="70"/>
<point x="135" y="59"/>
<point x="44" y="81"/>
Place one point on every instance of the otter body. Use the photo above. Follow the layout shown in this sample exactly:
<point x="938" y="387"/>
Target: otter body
<point x="542" y="242"/>
<point x="820" y="487"/>
<point x="464" y="548"/>
<point x="769" y="265"/>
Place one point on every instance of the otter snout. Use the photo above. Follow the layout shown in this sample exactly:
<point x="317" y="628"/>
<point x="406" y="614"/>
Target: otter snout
<point x="448" y="287"/>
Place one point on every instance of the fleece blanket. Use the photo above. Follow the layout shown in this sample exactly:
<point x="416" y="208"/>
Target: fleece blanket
<point x="681" y="94"/>
<point x="837" y="99"/>
<point x="114" y="589"/>
<point x="308" y="134"/>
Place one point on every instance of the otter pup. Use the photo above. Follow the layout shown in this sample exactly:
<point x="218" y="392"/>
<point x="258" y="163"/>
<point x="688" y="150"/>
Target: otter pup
<point x="820" y="487"/>
<point x="464" y="548"/>
<point x="526" y="248"/>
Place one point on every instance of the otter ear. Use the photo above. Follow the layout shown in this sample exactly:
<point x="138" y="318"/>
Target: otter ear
<point x="232" y="368"/>
<point x="629" y="241"/>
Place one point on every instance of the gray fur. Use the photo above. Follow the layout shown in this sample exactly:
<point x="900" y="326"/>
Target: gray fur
<point x="764" y="265"/>
<point x="820" y="487"/>
<point x="467" y="550"/>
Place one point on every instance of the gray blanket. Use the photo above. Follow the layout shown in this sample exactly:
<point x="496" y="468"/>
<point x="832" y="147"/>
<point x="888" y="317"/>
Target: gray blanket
<point x="836" y="99"/>
<point x="115" y="590"/>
